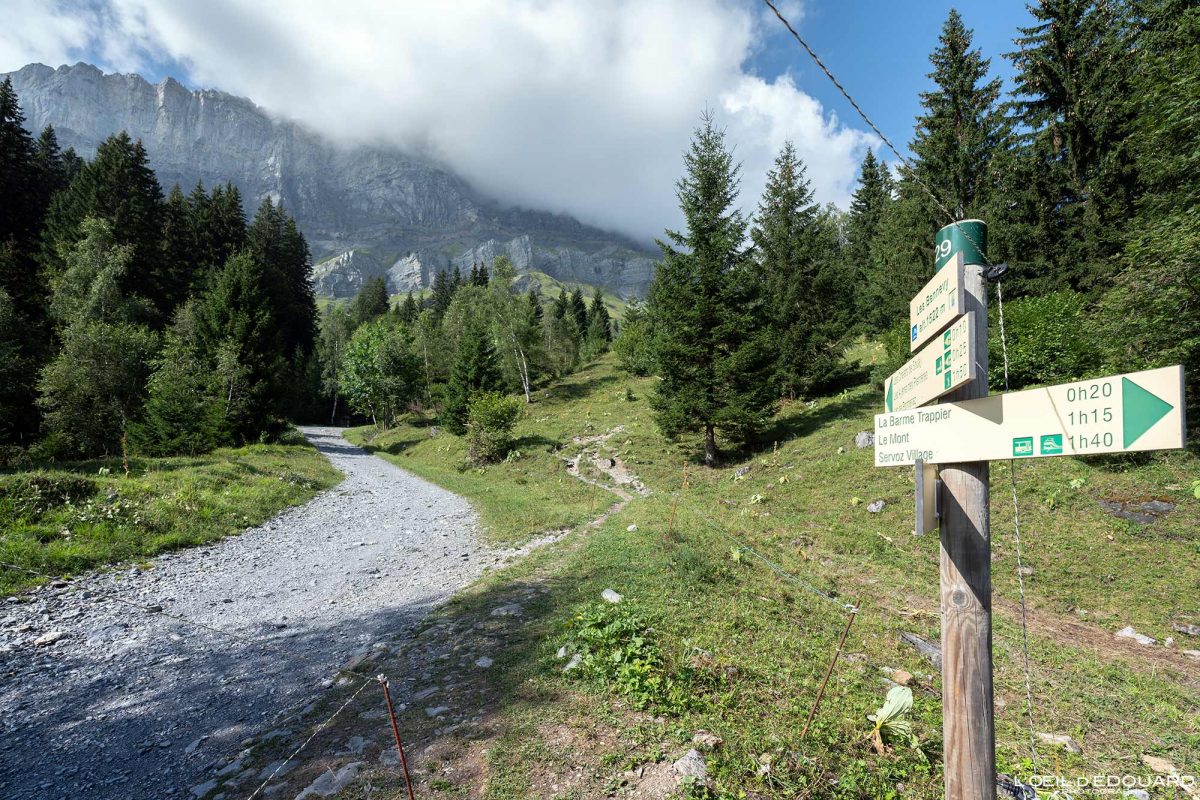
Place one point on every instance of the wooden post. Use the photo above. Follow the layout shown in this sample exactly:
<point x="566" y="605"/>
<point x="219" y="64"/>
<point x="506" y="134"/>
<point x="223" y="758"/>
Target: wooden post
<point x="968" y="726"/>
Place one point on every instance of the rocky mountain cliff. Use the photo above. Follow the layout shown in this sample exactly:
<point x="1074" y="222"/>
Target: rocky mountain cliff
<point x="365" y="211"/>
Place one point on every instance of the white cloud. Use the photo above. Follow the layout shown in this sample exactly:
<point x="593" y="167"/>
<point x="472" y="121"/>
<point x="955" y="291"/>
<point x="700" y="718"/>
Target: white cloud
<point x="578" y="107"/>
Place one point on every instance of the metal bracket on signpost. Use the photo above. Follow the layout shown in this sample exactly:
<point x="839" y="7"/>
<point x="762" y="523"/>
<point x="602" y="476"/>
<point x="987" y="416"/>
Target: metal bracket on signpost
<point x="929" y="499"/>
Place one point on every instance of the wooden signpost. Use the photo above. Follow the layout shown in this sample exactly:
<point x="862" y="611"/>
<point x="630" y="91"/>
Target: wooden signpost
<point x="961" y="434"/>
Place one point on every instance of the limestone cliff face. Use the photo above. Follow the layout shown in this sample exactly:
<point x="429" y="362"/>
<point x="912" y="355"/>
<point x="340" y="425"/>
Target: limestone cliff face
<point x="365" y="211"/>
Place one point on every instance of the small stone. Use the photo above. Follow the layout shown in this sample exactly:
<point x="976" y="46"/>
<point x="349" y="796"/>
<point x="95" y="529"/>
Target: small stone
<point x="707" y="741"/>
<point x="1183" y="627"/>
<point x="154" y="609"/>
<point x="741" y="472"/>
<point x="330" y="783"/>
<point x="436" y="711"/>
<point x="1061" y="740"/>
<point x="1191" y="654"/>
<point x="509" y="610"/>
<point x="632" y="528"/>
<point x="876" y="506"/>
<point x="1159" y="765"/>
<point x="1129" y="633"/>
<point x="276" y="769"/>
<point x="421" y="695"/>
<point x="47" y="639"/>
<point x="204" y="788"/>
<point x="901" y="677"/>
<point x="575" y="661"/>
<point x="610" y="596"/>
<point x="691" y="766"/>
<point x="562" y="653"/>
<point x="864" y="439"/>
<point x="483" y="662"/>
<point x="1025" y="572"/>
<point x="1137" y="794"/>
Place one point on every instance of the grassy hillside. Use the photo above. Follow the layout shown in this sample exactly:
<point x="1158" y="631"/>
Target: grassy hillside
<point x="70" y="517"/>
<point x="739" y="651"/>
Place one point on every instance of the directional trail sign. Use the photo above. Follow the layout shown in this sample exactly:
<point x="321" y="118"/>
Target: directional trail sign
<point x="938" y="304"/>
<point x="1116" y="414"/>
<point x="940" y="368"/>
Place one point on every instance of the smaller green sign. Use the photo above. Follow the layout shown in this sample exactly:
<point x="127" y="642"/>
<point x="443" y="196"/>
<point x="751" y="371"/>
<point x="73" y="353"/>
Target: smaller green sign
<point x="1022" y="446"/>
<point x="1052" y="444"/>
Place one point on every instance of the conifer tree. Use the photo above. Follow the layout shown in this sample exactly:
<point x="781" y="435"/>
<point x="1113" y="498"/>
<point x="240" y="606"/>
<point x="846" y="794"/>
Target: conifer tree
<point x="599" y="326"/>
<point x="218" y="224"/>
<point x="1076" y="188"/>
<point x="708" y="319"/>
<point x="534" y="303"/>
<point x="370" y="302"/>
<point x="179" y="246"/>
<point x="408" y="310"/>
<point x="476" y="369"/>
<point x="864" y="223"/>
<point x="785" y="237"/>
<point x="482" y="278"/>
<point x="50" y="169"/>
<point x="240" y="339"/>
<point x="578" y="314"/>
<point x="443" y="293"/>
<point x="961" y="127"/>
<point x="274" y="241"/>
<point x="18" y="172"/>
<point x="182" y="413"/>
<point x="119" y="187"/>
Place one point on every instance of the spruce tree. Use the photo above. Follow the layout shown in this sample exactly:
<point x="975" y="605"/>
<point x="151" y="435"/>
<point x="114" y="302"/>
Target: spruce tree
<point x="868" y="207"/>
<point x="275" y="242"/>
<point x="50" y="169"/>
<point x="370" y="302"/>
<point x="961" y="127"/>
<point x="785" y="240"/>
<point x="218" y="225"/>
<point x="408" y="310"/>
<point x="476" y="369"/>
<point x="19" y="186"/>
<point x="1073" y="85"/>
<point x="536" y="313"/>
<point x="707" y="316"/>
<point x="599" y="326"/>
<point x="119" y="187"/>
<point x="179" y="246"/>
<point x="245" y="348"/>
<point x="578" y="314"/>
<point x="182" y="413"/>
<point x="482" y="278"/>
<point x="443" y="293"/>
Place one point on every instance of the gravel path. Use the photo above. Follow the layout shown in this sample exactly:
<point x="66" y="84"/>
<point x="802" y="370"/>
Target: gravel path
<point x="130" y="703"/>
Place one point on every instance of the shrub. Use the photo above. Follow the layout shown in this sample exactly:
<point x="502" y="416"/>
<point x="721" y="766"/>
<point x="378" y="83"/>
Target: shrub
<point x="1049" y="340"/>
<point x="490" y="421"/>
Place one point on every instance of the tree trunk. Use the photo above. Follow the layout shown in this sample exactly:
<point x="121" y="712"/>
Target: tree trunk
<point x="333" y="413"/>
<point x="710" y="446"/>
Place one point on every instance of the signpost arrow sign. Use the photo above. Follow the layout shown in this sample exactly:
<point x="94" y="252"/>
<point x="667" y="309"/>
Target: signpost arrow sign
<point x="1120" y="413"/>
<point x="940" y="368"/>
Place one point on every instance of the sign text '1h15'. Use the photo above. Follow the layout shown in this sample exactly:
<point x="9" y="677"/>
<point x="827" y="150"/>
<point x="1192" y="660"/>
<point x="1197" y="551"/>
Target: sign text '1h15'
<point x="1119" y="413"/>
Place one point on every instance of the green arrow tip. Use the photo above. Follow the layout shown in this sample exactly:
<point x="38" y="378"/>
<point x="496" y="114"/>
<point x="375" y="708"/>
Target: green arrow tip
<point x="888" y="397"/>
<point x="1142" y="410"/>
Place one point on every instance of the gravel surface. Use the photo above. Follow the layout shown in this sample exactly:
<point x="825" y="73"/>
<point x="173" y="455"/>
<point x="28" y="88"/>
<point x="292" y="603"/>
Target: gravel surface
<point x="121" y="700"/>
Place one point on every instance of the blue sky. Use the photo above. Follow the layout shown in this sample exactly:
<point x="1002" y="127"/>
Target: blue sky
<point x="880" y="50"/>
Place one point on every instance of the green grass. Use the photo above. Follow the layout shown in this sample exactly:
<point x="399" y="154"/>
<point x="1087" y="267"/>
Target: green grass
<point x="71" y="517"/>
<point x="1092" y="574"/>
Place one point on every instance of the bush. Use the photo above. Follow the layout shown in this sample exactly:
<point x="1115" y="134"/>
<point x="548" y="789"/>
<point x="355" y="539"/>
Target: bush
<point x="634" y="345"/>
<point x="1050" y="340"/>
<point x="490" y="422"/>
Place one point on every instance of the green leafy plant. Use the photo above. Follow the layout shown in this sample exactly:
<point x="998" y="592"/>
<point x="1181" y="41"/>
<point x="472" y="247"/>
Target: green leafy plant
<point x="891" y="724"/>
<point x="616" y="646"/>
<point x="1196" y="489"/>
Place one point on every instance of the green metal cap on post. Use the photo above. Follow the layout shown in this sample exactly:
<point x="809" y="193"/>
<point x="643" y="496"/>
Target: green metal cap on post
<point x="967" y="236"/>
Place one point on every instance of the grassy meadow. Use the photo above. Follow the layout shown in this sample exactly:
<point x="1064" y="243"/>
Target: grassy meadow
<point x="707" y="637"/>
<point x="70" y="517"/>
